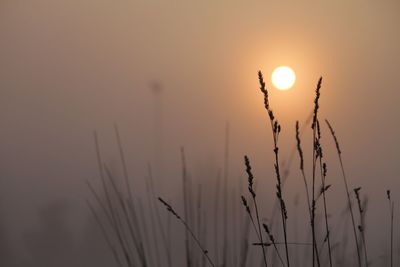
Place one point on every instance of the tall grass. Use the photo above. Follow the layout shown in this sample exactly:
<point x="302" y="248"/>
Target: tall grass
<point x="314" y="155"/>
<point x="391" y="212"/>
<point x="188" y="229"/>
<point x="324" y="189"/>
<point x="137" y="233"/>
<point x="361" y="226"/>
<point x="253" y="195"/>
<point x="276" y="129"/>
<point x="350" y="208"/>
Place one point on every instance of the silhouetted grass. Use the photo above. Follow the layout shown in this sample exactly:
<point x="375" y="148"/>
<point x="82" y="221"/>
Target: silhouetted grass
<point x="339" y="153"/>
<point x="324" y="188"/>
<point x="136" y="234"/>
<point x="276" y="129"/>
<point x="391" y="212"/>
<point x="361" y="226"/>
<point x="253" y="195"/>
<point x="189" y="230"/>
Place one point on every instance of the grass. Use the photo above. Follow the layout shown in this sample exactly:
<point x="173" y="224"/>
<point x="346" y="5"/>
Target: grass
<point x="253" y="195"/>
<point x="276" y="129"/>
<point x="391" y="212"/>
<point x="139" y="234"/>
<point x="349" y="203"/>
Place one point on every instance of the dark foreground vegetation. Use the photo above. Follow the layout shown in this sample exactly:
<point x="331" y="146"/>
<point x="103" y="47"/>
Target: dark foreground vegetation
<point x="233" y="230"/>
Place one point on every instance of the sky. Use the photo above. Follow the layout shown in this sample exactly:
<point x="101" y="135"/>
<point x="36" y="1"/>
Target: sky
<point x="69" y="68"/>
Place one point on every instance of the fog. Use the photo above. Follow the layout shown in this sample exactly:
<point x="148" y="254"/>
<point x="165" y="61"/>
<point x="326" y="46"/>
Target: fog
<point x="174" y="74"/>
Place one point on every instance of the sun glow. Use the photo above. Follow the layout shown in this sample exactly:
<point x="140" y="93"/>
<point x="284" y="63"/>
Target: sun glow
<point x="283" y="78"/>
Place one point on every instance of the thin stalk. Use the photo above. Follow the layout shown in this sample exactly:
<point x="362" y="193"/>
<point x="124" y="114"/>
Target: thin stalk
<point x="287" y="168"/>
<point x="259" y="230"/>
<point x="132" y="224"/>
<point x="112" y="219"/>
<point x="283" y="243"/>
<point x="361" y="227"/>
<point x="310" y="212"/>
<point x="204" y="234"/>
<point x="314" y="152"/>
<point x="272" y="239"/>
<point x="152" y="207"/>
<point x="216" y="217"/>
<point x="130" y="195"/>
<point x="225" y="210"/>
<point x="276" y="128"/>
<point x="146" y="239"/>
<point x="123" y="162"/>
<point x="188" y="229"/>
<point x="339" y="152"/>
<point x="247" y="207"/>
<point x="301" y="157"/>
<point x="111" y="210"/>
<point x="391" y="209"/>
<point x="191" y="219"/>
<point x="315" y="253"/>
<point x="245" y="233"/>
<point x="185" y="204"/>
<point x="253" y="195"/>
<point x="104" y="232"/>
<point x="391" y="235"/>
<point x="158" y="217"/>
<point x="199" y="213"/>
<point x="324" y="188"/>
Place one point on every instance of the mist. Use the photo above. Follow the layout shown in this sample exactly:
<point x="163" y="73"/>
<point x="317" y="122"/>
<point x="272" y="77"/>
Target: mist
<point x="177" y="74"/>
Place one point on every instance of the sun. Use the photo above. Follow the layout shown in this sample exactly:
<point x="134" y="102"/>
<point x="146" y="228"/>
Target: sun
<point x="283" y="78"/>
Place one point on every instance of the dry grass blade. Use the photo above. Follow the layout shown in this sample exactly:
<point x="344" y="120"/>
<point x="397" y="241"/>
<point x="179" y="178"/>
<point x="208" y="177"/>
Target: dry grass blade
<point x="216" y="217"/>
<point x="324" y="189"/>
<point x="276" y="129"/>
<point x="253" y="195"/>
<point x="314" y="159"/>
<point x="186" y="205"/>
<point x="361" y="226"/>
<point x="151" y="200"/>
<point x="173" y="212"/>
<point x="104" y="232"/>
<point x="126" y="219"/>
<point x="301" y="157"/>
<point x="391" y="211"/>
<point x="350" y="208"/>
<point x="153" y="208"/>
<point x="272" y="239"/>
<point x="110" y="209"/>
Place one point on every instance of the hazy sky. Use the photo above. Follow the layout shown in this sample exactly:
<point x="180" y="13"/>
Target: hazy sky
<point x="68" y="68"/>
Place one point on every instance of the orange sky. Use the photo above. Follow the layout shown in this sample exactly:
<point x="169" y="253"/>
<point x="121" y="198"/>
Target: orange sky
<point x="70" y="67"/>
